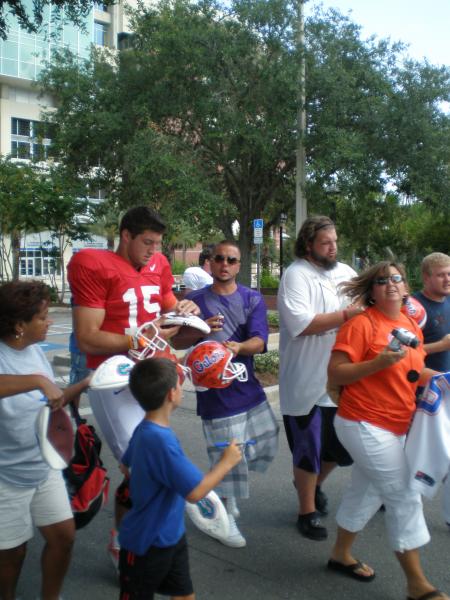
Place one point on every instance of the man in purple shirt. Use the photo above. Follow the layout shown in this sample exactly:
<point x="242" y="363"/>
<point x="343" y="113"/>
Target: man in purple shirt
<point x="237" y="316"/>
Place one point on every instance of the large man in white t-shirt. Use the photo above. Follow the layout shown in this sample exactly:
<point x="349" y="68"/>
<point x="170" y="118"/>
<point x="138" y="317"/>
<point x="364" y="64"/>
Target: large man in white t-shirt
<point x="196" y="278"/>
<point x="311" y="310"/>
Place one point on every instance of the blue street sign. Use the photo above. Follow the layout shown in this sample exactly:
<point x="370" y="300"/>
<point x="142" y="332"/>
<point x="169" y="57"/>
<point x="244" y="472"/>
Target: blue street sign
<point x="258" y="223"/>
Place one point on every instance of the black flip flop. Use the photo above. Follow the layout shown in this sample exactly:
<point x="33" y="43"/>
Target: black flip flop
<point x="350" y="570"/>
<point x="427" y="596"/>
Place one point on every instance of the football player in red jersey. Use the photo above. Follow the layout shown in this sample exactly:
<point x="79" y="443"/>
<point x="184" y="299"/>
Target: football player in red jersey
<point x="113" y="294"/>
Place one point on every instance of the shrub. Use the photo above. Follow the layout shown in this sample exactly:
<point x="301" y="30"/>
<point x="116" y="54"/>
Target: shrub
<point x="268" y="280"/>
<point x="54" y="298"/>
<point x="268" y="362"/>
<point x="178" y="267"/>
<point x="273" y="318"/>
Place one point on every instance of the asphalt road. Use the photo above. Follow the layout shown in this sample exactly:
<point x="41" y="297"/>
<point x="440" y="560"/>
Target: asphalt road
<point x="277" y="562"/>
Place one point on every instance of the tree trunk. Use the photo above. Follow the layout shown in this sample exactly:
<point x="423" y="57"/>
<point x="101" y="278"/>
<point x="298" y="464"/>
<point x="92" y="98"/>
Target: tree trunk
<point x="15" y="245"/>
<point x="110" y="241"/>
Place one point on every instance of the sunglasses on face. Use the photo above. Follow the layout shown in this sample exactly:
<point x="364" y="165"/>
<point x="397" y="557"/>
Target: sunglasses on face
<point x="396" y="278"/>
<point x="231" y="260"/>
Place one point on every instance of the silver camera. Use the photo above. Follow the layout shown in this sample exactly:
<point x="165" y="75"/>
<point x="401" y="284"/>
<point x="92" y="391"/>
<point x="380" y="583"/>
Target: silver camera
<point x="402" y="337"/>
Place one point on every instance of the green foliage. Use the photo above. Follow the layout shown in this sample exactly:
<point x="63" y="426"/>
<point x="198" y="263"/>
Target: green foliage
<point x="32" y="200"/>
<point x="198" y="119"/>
<point x="54" y="298"/>
<point x="268" y="362"/>
<point x="273" y="318"/>
<point x="178" y="267"/>
<point x="30" y="15"/>
<point x="268" y="280"/>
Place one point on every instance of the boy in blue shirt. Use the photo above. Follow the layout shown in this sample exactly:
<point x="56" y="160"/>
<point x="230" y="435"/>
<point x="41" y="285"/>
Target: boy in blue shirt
<point x="154" y="556"/>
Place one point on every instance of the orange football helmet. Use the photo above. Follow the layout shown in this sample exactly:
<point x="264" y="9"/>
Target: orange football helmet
<point x="211" y="367"/>
<point x="414" y="309"/>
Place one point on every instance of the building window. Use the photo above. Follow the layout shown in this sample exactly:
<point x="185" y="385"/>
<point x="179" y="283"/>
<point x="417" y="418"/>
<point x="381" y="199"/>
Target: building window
<point x="100" y="6"/>
<point x="100" y="33"/>
<point x="29" y="140"/>
<point x="125" y="40"/>
<point x="38" y="263"/>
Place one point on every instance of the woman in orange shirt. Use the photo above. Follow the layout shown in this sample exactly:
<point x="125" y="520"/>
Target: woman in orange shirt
<point x="376" y="405"/>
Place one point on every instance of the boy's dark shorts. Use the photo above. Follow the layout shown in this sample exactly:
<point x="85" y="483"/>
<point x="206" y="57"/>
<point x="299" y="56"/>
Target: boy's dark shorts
<point x="312" y="439"/>
<point x="161" y="570"/>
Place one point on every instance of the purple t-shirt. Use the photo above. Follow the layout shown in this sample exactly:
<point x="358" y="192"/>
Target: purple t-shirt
<point x="245" y="316"/>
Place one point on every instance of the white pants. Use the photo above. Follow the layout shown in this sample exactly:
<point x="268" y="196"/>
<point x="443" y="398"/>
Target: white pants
<point x="446" y="499"/>
<point x="117" y="414"/>
<point x="380" y="475"/>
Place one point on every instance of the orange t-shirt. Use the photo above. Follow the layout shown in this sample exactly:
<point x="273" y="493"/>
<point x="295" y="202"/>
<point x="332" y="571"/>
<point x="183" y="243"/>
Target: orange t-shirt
<point x="386" y="398"/>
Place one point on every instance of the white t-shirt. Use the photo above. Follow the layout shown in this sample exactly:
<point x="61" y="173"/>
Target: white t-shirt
<point x="21" y="462"/>
<point x="305" y="291"/>
<point x="428" y="442"/>
<point x="196" y="278"/>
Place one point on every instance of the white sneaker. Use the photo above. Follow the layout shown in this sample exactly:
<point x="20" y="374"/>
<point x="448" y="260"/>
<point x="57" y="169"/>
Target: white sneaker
<point x="235" y="538"/>
<point x="232" y="507"/>
<point x="114" y="549"/>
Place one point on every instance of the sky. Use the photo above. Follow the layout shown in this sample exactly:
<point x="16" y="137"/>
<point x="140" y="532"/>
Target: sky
<point x="423" y="25"/>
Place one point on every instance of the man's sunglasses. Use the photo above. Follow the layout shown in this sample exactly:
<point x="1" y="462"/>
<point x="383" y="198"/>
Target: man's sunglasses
<point x="396" y="278"/>
<point x="231" y="260"/>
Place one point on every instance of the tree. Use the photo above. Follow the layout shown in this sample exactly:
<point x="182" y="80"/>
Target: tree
<point x="61" y="208"/>
<point x="30" y="15"/>
<point x="34" y="200"/>
<point x="199" y="117"/>
<point x="18" y="212"/>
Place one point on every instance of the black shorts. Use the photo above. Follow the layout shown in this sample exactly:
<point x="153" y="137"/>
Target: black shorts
<point x="161" y="570"/>
<point x="312" y="439"/>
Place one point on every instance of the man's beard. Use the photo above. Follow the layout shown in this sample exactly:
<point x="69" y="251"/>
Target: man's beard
<point x="323" y="261"/>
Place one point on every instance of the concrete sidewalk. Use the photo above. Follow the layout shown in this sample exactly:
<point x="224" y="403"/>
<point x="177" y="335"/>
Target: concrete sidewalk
<point x="276" y="564"/>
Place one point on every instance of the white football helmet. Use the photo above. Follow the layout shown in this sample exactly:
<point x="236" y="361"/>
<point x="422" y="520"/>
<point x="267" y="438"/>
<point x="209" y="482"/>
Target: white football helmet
<point x="112" y="374"/>
<point x="146" y="341"/>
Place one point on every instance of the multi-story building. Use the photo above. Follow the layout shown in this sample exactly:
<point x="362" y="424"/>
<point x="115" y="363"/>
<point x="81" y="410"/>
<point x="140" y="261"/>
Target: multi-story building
<point x="22" y="57"/>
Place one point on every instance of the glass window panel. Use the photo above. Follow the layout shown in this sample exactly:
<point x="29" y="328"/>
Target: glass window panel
<point x="38" y="152"/>
<point x="26" y="70"/>
<point x="71" y="36"/>
<point x="22" y="127"/>
<point x="10" y="67"/>
<point x="99" y="34"/>
<point x="23" y="150"/>
<point x="38" y="266"/>
<point x="10" y="49"/>
<point x="27" y="52"/>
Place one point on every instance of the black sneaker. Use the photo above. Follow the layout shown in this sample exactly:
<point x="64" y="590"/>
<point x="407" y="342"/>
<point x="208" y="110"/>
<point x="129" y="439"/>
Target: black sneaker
<point x="321" y="501"/>
<point x="310" y="527"/>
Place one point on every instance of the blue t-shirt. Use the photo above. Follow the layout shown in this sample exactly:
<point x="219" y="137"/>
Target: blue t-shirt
<point x="161" y="477"/>
<point x="437" y="325"/>
<point x="245" y="316"/>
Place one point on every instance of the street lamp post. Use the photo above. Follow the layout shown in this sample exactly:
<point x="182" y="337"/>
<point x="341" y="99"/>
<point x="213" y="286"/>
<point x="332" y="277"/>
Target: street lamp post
<point x="300" y="178"/>
<point x="283" y="220"/>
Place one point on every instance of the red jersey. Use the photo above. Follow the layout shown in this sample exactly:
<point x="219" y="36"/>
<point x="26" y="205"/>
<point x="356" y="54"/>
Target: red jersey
<point x="103" y="279"/>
